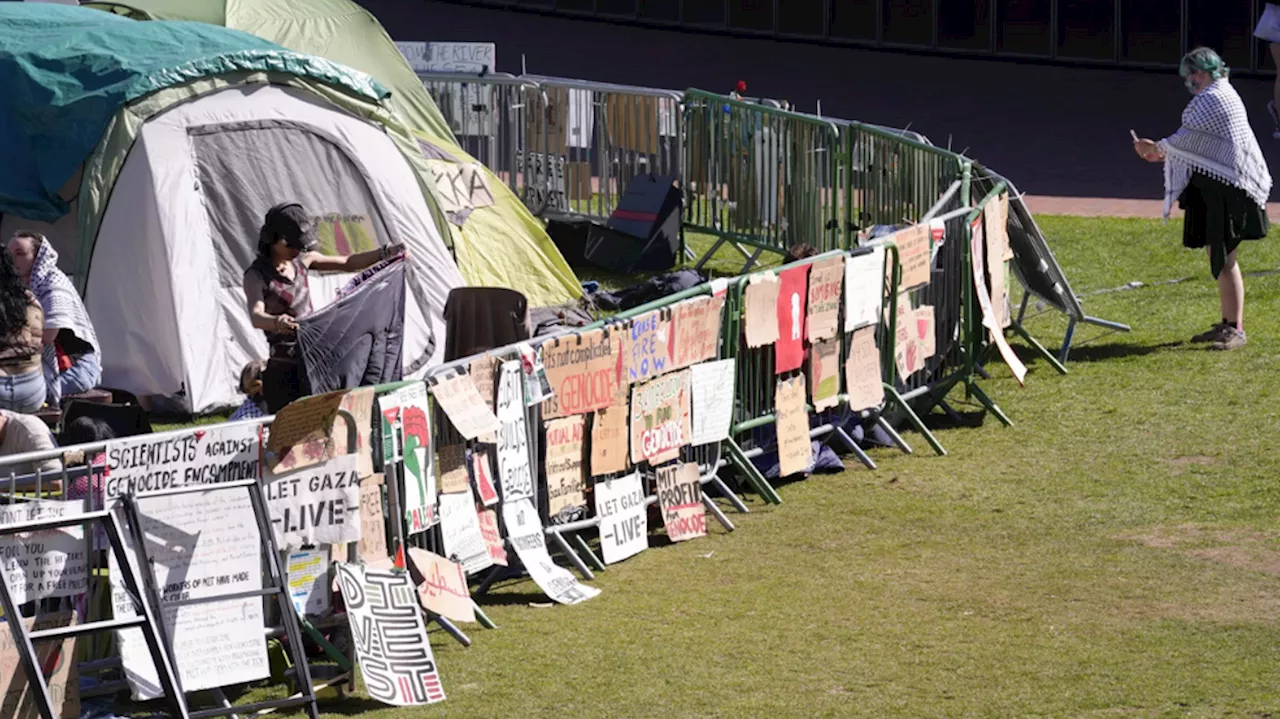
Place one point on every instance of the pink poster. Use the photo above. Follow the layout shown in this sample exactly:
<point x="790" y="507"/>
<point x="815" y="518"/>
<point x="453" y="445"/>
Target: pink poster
<point x="792" y="297"/>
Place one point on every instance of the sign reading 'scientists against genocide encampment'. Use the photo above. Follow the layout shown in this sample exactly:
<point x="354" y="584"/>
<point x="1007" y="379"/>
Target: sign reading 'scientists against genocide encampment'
<point x="153" y="463"/>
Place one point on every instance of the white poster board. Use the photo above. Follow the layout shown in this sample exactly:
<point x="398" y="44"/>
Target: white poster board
<point x="460" y="530"/>
<point x="514" y="474"/>
<point x="201" y="455"/>
<point x="308" y="574"/>
<point x="624" y="518"/>
<point x="316" y="505"/>
<point x="469" y="108"/>
<point x="524" y="530"/>
<point x="713" y="387"/>
<point x="863" y="289"/>
<point x="49" y="563"/>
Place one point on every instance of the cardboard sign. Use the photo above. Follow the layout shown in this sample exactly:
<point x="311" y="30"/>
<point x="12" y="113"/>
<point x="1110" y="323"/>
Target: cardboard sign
<point x="824" y="374"/>
<point x="48" y="563"/>
<point x="359" y="404"/>
<point x="443" y="589"/>
<point x="794" y="451"/>
<point x="584" y="371"/>
<point x="660" y="422"/>
<point x="389" y="635"/>
<point x="566" y="470"/>
<point x="482" y="468"/>
<point x="905" y="352"/>
<point x="202" y="455"/>
<point x="308" y="573"/>
<point x="646" y="346"/>
<point x="864" y="278"/>
<point x="679" y="490"/>
<point x="696" y="324"/>
<point x="57" y="661"/>
<point x="826" y="279"/>
<point x="302" y="433"/>
<point x="913" y="253"/>
<point x="760" y="309"/>
<point x="624" y="517"/>
<point x="516" y="478"/>
<point x="862" y="374"/>
<point x="788" y="352"/>
<point x="460" y="529"/>
<point x="492" y="538"/>
<point x="315" y="505"/>
<point x="524" y="530"/>
<point x="989" y="320"/>
<point x="457" y="396"/>
<point x="713" y="392"/>
<point x="609" y="441"/>
<point x="996" y="226"/>
<point x="373" y="525"/>
<point x="484" y="375"/>
<point x="453" y="469"/>
<point x="924" y="330"/>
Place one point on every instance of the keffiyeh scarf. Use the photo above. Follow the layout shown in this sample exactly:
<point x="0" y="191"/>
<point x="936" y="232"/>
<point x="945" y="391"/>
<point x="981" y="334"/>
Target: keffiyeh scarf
<point x="1216" y="140"/>
<point x="62" y="306"/>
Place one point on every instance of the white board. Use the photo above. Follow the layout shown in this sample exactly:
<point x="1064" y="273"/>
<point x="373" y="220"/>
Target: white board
<point x="624" y="519"/>
<point x="524" y="530"/>
<point x="201" y="455"/>
<point x="514" y="474"/>
<point x="49" y="563"/>
<point x="316" y="505"/>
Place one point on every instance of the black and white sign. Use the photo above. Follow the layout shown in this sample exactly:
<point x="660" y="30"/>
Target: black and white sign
<point x="50" y="563"/>
<point x="524" y="531"/>
<point x="515" y="476"/>
<point x="624" y="519"/>
<point x="204" y="455"/>
<point x="316" y="505"/>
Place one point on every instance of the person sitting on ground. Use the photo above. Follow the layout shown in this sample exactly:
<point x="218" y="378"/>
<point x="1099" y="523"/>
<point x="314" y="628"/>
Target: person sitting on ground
<point x="276" y="289"/>
<point x="22" y="387"/>
<point x="22" y="433"/>
<point x="71" y="357"/>
<point x="255" y="404"/>
<point x="79" y="431"/>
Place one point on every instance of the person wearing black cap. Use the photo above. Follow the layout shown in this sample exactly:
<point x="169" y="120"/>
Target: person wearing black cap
<point x="275" y="286"/>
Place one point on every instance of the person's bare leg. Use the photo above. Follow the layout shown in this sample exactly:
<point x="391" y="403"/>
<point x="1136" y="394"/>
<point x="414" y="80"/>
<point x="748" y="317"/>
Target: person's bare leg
<point x="1231" y="291"/>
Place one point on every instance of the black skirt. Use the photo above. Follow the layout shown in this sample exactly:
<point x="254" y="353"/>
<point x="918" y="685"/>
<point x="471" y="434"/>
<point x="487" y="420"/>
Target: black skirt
<point x="1219" y="216"/>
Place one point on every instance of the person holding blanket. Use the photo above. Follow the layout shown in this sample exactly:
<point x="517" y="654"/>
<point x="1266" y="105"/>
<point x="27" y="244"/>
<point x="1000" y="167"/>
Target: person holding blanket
<point x="1214" y="168"/>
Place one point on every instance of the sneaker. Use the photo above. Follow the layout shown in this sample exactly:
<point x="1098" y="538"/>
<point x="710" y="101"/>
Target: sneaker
<point x="1234" y="340"/>
<point x="1215" y="333"/>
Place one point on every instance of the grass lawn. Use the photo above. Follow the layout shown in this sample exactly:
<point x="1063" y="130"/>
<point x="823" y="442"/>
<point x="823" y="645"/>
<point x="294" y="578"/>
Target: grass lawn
<point x="1116" y="553"/>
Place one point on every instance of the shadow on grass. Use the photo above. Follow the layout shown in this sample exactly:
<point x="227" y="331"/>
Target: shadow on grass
<point x="352" y="705"/>
<point x="1120" y="350"/>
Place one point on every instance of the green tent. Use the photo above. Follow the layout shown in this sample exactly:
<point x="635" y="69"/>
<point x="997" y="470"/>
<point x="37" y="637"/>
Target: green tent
<point x="502" y="244"/>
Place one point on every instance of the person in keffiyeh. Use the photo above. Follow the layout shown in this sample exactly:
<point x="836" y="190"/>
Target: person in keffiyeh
<point x="1214" y="169"/>
<point x="71" y="357"/>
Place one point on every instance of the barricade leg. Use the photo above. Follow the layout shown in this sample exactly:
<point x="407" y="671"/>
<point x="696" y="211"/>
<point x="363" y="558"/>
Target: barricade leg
<point x="1039" y="348"/>
<point x="991" y="406"/>
<point x="854" y="448"/>
<point x="483" y="618"/>
<point x="894" y="436"/>
<point x="450" y="628"/>
<point x="572" y="555"/>
<point x="915" y="420"/>
<point x="585" y="548"/>
<point x="715" y="512"/>
<point x="753" y="476"/>
<point x="727" y="493"/>
<point x="1066" y="340"/>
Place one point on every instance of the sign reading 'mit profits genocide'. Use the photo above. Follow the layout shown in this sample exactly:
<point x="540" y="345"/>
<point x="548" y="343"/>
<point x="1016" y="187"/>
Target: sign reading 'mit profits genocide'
<point x="679" y="490"/>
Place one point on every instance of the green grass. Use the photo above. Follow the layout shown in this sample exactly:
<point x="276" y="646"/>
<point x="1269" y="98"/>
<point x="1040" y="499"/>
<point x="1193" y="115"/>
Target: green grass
<point x="1115" y="553"/>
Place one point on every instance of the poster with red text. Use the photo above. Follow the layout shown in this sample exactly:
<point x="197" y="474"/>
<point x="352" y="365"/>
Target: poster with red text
<point x="792" y="298"/>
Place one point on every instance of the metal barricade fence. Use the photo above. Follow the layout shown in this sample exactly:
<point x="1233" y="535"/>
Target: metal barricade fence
<point x="759" y="177"/>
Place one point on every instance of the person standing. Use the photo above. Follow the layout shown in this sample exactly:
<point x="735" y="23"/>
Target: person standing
<point x="1268" y="29"/>
<point x="1214" y="169"/>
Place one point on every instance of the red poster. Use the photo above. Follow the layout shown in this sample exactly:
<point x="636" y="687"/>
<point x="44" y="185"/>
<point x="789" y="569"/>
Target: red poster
<point x="793" y="294"/>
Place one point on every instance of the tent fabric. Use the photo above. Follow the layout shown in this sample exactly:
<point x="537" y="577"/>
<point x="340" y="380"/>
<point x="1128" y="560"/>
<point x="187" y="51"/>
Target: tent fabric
<point x="66" y="71"/>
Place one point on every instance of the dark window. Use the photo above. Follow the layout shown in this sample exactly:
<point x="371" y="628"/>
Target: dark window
<point x="908" y="22"/>
<point x="704" y="12"/>
<point x="751" y="15"/>
<point x="666" y="10"/>
<point x="1223" y="25"/>
<point x="801" y="17"/>
<point x="1087" y="29"/>
<point x="616" y="7"/>
<point x="535" y="3"/>
<point x="964" y="25"/>
<point x="576" y="5"/>
<point x="1022" y="27"/>
<point x="1152" y="31"/>
<point x="853" y="19"/>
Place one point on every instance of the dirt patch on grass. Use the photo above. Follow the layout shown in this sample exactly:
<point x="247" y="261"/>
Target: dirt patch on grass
<point x="1180" y="465"/>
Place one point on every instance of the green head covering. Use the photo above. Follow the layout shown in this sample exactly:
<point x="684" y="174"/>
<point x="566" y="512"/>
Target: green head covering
<point x="1205" y="60"/>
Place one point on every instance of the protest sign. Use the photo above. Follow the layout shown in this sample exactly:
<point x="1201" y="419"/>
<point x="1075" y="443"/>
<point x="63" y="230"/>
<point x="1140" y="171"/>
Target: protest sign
<point x="566" y="470"/>
<point x="913" y="253"/>
<point x="514" y="475"/>
<point x="524" y="530"/>
<point x="760" y="309"/>
<point x="456" y="394"/>
<point x="923" y="331"/>
<point x="203" y="455"/>
<point x="484" y="375"/>
<point x="996" y="230"/>
<point x="863" y="289"/>
<point x="713" y="390"/>
<point x="308" y="573"/>
<point x="482" y="467"/>
<point x="679" y="490"/>
<point x="302" y="433"/>
<point x="609" y="441"/>
<point x="788" y="351"/>
<point x="989" y="320"/>
<point x="647" y="346"/>
<point x="443" y="586"/>
<point x="584" y="370"/>
<point x="492" y="538"/>
<point x="825" y="281"/>
<point x="48" y="563"/>
<point x="389" y="635"/>
<point x="906" y="353"/>
<point x="624" y="518"/>
<point x="57" y="661"/>
<point x="453" y="469"/>
<point x="696" y="329"/>
<point x="824" y="374"/>
<point x="660" y="423"/>
<point x="414" y="431"/>
<point x="359" y="404"/>
<point x="201" y="544"/>
<point x="862" y="375"/>
<point x="373" y="526"/>
<point x="315" y="505"/>
<point x="537" y="388"/>
<point x="794" y="451"/>
<point x="389" y="423"/>
<point x="460" y="530"/>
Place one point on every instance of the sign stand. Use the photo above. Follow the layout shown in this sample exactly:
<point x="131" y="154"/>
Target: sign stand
<point x="147" y="618"/>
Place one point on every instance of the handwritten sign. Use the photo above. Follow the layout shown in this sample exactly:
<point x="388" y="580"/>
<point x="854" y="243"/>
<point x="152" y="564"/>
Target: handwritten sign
<point x="308" y="573"/>
<point x="624" y="517"/>
<point x="989" y="319"/>
<point x="923" y="331"/>
<point x="913" y="253"/>
<point x="696" y="324"/>
<point x="788" y="351"/>
<point x="456" y="394"/>
<point x="359" y="404"/>
<point x="48" y="563"/>
<point x="516" y="478"/>
<point x="862" y="371"/>
<point x="660" y="423"/>
<point x="459" y="188"/>
<point x="443" y="586"/>
<point x="713" y="392"/>
<point x="864" y="277"/>
<point x="57" y="661"/>
<point x="302" y="433"/>
<point x="373" y="526"/>
<point x="584" y="371"/>
<point x="414" y="432"/>
<point x="204" y="455"/>
<point x="794" y="451"/>
<point x="315" y="505"/>
<point x="453" y="469"/>
<point x="824" y="374"/>
<point x="646" y="346"/>
<point x="679" y="490"/>
<point x="492" y="538"/>
<point x="609" y="441"/>
<point x="760" y="309"/>
<point x="996" y="225"/>
<point x="482" y="467"/>
<point x="566" y="470"/>
<point x="389" y="636"/>
<point x="524" y="530"/>
<point x="469" y="57"/>
<point x="484" y="375"/>
<point x="826" y="279"/>
<point x="460" y="529"/>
